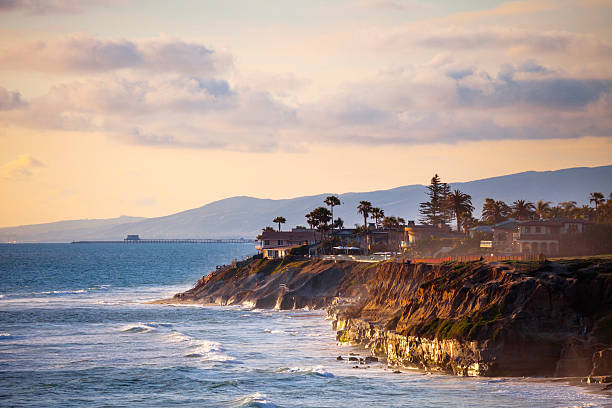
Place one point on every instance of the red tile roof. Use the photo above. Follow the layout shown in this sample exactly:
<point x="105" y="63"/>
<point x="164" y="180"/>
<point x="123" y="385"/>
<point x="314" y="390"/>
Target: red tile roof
<point x="289" y="235"/>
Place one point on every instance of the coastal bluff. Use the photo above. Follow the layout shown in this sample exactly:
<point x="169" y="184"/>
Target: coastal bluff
<point x="476" y="318"/>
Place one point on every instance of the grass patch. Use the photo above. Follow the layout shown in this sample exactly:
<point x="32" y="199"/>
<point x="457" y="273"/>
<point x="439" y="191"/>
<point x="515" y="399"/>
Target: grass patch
<point x="466" y="328"/>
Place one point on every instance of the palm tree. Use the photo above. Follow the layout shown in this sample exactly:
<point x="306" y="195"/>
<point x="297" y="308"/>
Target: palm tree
<point x="569" y="208"/>
<point x="331" y="202"/>
<point x="390" y="223"/>
<point x="459" y="203"/>
<point x="377" y="214"/>
<point x="542" y="209"/>
<point x="338" y="223"/>
<point x="597" y="199"/>
<point x="365" y="208"/>
<point x="522" y="209"/>
<point x="495" y="211"/>
<point x="555" y="212"/>
<point x="279" y="221"/>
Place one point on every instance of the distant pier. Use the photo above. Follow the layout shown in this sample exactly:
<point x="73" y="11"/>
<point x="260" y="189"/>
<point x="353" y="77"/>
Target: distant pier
<point x="136" y="240"/>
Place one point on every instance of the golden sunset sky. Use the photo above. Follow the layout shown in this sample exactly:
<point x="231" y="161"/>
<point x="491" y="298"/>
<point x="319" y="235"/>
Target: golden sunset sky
<point x="145" y="108"/>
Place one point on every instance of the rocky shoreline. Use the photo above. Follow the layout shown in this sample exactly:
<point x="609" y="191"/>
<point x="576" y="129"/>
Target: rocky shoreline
<point x="551" y="319"/>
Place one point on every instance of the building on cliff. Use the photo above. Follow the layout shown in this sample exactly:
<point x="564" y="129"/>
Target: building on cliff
<point x="414" y="233"/>
<point x="534" y="236"/>
<point x="277" y="244"/>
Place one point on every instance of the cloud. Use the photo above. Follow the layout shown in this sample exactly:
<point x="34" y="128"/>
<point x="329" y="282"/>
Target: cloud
<point x="177" y="111"/>
<point x="449" y="37"/>
<point x="438" y="102"/>
<point x="22" y="167"/>
<point x="10" y="100"/>
<point x="54" y="6"/>
<point x="89" y="55"/>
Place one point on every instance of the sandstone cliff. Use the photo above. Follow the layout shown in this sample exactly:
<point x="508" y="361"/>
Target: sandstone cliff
<point x="551" y="318"/>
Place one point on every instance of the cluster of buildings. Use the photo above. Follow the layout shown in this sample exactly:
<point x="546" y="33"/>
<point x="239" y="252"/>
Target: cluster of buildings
<point x="531" y="237"/>
<point x="505" y="238"/>
<point x="277" y="244"/>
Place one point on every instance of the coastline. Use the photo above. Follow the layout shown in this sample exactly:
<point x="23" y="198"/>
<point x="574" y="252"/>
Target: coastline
<point x="466" y="319"/>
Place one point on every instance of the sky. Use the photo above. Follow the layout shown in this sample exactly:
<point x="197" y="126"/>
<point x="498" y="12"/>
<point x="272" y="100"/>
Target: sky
<point x="147" y="108"/>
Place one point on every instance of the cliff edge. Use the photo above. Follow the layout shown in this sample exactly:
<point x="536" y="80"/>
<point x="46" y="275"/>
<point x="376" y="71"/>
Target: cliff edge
<point x="498" y="319"/>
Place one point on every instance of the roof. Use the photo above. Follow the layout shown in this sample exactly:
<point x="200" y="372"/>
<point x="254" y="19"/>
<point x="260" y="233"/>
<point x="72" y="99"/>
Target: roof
<point x="482" y="228"/>
<point x="510" y="224"/>
<point x="289" y="235"/>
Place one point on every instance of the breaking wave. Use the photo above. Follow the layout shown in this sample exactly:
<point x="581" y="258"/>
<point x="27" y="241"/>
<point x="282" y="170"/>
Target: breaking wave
<point x="255" y="400"/>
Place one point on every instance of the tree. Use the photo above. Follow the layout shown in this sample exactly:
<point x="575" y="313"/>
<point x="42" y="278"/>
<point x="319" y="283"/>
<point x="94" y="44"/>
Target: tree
<point x="542" y="209"/>
<point x="338" y="223"/>
<point x="312" y="223"/>
<point x="447" y="213"/>
<point x="522" y="210"/>
<point x="597" y="199"/>
<point x="495" y="211"/>
<point x="392" y="223"/>
<point x="458" y="204"/>
<point x="555" y="212"/>
<point x="279" y="221"/>
<point x="331" y="202"/>
<point x="377" y="214"/>
<point x="364" y="208"/>
<point x="569" y="209"/>
<point x="321" y="217"/>
<point x="432" y="211"/>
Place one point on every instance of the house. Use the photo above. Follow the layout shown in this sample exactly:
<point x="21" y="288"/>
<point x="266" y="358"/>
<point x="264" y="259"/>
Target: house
<point x="351" y="237"/>
<point x="414" y="233"/>
<point x="277" y="244"/>
<point x="533" y="236"/>
<point x="505" y="236"/>
<point x="545" y="237"/>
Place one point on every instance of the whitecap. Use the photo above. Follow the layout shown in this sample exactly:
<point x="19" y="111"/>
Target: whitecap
<point x="205" y="350"/>
<point x="255" y="400"/>
<point x="317" y="371"/>
<point x="138" y="328"/>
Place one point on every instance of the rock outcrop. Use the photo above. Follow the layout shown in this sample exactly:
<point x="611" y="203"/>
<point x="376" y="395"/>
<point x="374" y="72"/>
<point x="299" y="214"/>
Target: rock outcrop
<point x="510" y="319"/>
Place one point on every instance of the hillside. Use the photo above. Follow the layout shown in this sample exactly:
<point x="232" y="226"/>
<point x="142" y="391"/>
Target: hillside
<point x="245" y="216"/>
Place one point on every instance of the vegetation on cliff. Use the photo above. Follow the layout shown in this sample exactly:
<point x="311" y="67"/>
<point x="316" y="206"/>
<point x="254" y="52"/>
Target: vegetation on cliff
<point x="507" y="318"/>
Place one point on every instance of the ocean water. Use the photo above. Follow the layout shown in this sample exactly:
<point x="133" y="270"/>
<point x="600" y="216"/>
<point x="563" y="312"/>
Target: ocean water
<point x="75" y="330"/>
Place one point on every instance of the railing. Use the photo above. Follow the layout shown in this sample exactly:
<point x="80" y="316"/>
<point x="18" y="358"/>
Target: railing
<point x="356" y="258"/>
<point x="404" y="259"/>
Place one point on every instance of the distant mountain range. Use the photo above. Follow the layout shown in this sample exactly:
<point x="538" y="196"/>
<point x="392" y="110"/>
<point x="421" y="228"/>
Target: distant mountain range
<point x="245" y="216"/>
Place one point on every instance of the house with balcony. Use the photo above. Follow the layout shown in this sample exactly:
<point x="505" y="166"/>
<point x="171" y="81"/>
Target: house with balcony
<point x="546" y="236"/>
<point x="539" y="237"/>
<point x="505" y="235"/>
<point x="277" y="244"/>
<point x="414" y="233"/>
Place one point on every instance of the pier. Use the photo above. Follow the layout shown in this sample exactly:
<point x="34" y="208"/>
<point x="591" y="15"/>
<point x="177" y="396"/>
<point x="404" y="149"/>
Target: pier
<point x="174" y="241"/>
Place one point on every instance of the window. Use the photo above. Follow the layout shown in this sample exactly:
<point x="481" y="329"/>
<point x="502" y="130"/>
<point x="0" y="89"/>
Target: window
<point x="280" y="242"/>
<point x="537" y="229"/>
<point x="526" y="230"/>
<point x="267" y="242"/>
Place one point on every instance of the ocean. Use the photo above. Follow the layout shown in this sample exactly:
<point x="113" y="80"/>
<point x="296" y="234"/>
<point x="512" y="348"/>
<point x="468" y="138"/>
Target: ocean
<point x="76" y="330"/>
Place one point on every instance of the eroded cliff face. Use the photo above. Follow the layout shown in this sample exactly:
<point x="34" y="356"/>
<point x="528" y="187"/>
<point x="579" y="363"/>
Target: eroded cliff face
<point x="481" y="319"/>
<point x="281" y="284"/>
<point x="550" y="319"/>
